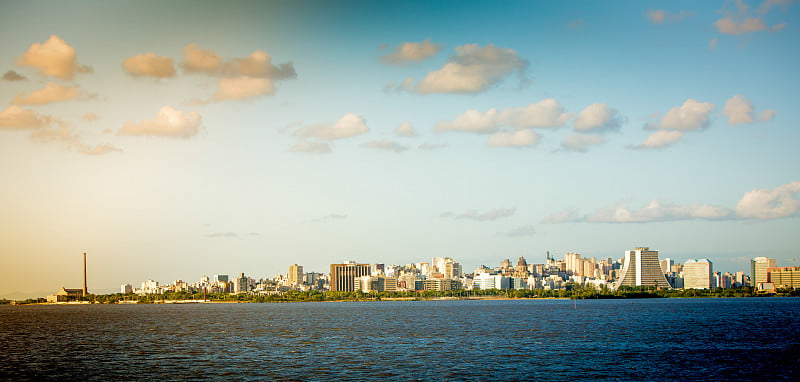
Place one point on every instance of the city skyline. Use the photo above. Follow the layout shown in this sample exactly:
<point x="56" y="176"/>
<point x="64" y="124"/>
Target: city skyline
<point x="169" y="139"/>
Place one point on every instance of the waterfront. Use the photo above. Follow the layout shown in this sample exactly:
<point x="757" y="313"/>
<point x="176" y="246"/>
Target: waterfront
<point x="664" y="339"/>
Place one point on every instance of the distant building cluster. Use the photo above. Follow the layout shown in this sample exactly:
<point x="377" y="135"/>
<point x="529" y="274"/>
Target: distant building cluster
<point x="639" y="267"/>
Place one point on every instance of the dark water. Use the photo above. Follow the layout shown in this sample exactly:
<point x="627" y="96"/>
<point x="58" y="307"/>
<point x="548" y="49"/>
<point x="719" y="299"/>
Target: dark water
<point x="664" y="339"/>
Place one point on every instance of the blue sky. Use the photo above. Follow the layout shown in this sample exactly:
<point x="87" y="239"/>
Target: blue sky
<point x="160" y="140"/>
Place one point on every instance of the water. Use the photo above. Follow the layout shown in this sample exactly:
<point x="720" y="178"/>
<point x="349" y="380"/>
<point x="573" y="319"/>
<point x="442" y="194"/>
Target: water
<point x="645" y="339"/>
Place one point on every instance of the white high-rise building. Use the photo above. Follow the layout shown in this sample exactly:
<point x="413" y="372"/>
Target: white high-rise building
<point x="758" y="269"/>
<point x="698" y="274"/>
<point x="641" y="268"/>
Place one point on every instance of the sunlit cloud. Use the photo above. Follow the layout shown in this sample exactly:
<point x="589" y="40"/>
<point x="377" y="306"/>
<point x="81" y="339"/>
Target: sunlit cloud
<point x="473" y="69"/>
<point x="411" y="52"/>
<point x="405" y="130"/>
<point x="54" y="58"/>
<point x="169" y="122"/>
<point x="348" y="126"/>
<point x="49" y="94"/>
<point x="149" y="65"/>
<point x="547" y="113"/>
<point x="15" y="117"/>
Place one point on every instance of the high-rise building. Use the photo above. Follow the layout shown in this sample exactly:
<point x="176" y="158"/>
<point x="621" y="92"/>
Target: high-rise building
<point x="126" y="288"/>
<point x="240" y="284"/>
<point x="343" y="275"/>
<point x="758" y="269"/>
<point x="697" y="274"/>
<point x="642" y="268"/>
<point x="295" y="274"/>
<point x="788" y="277"/>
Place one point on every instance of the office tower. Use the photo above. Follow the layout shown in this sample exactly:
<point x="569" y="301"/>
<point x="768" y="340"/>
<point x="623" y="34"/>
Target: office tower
<point x="758" y="269"/>
<point x="343" y="275"/>
<point x="126" y="288"/>
<point x="666" y="265"/>
<point x="697" y="274"/>
<point x="642" y="268"/>
<point x="220" y="278"/>
<point x="295" y="274"/>
<point x="240" y="284"/>
<point x="788" y="277"/>
<point x="452" y="270"/>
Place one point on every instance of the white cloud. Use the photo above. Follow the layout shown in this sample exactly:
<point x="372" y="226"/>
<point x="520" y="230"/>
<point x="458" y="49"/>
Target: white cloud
<point x="472" y="70"/>
<point x="15" y="117"/>
<point x="661" y="139"/>
<point x="168" y="123"/>
<point x="49" y="94"/>
<point x="581" y="142"/>
<point x="782" y="201"/>
<point x="472" y="121"/>
<point x="431" y="146"/>
<point x="242" y="88"/>
<point x="526" y="230"/>
<point x="311" y="146"/>
<point x="348" y="126"/>
<point x="519" y="138"/>
<point x="149" y="65"/>
<point x="569" y="215"/>
<point x="598" y="117"/>
<point x="489" y="215"/>
<point x="767" y="115"/>
<point x="54" y="58"/>
<point x="547" y="113"/>
<point x="411" y="52"/>
<point x="384" y="145"/>
<point x="740" y="110"/>
<point x="657" y="211"/>
<point x="405" y="129"/>
<point x="692" y="115"/>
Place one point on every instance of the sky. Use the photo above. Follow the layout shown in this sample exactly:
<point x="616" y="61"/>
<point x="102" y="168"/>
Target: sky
<point x="171" y="140"/>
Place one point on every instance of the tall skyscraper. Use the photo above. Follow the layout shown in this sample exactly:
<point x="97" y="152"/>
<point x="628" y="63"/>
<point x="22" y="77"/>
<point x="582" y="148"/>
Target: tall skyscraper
<point x="343" y="275"/>
<point x="85" y="289"/>
<point x="295" y="274"/>
<point x="758" y="269"/>
<point x="642" y="268"/>
<point x="697" y="274"/>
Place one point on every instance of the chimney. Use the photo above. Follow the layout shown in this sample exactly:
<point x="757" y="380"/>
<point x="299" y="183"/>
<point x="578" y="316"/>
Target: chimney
<point x="85" y="292"/>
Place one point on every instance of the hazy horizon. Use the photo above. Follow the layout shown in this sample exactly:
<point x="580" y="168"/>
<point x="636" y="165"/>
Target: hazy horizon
<point x="169" y="140"/>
